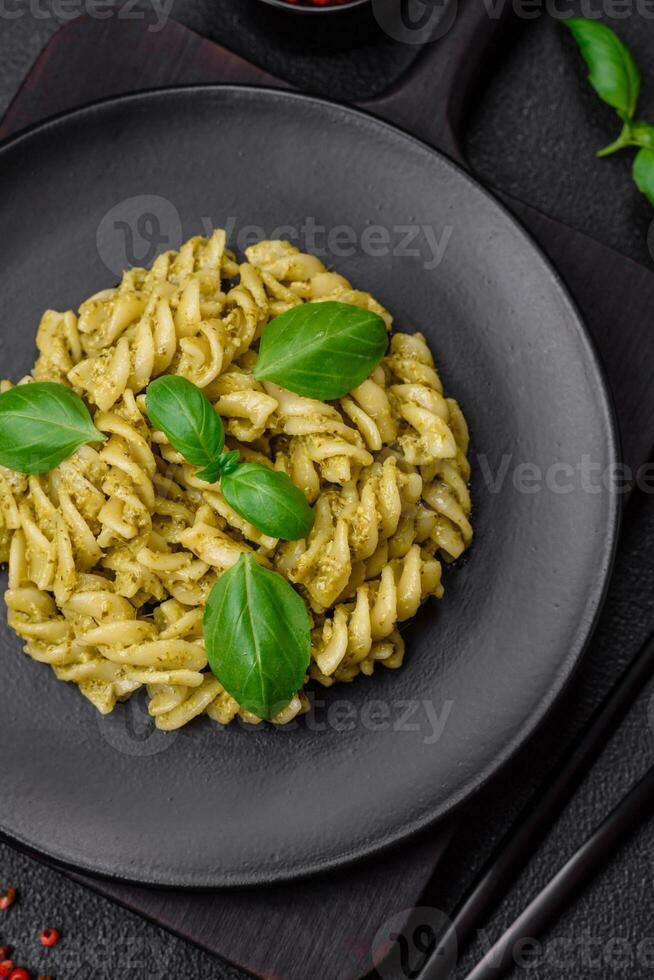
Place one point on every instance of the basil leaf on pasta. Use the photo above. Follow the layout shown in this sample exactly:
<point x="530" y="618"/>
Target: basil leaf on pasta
<point x="321" y="350"/>
<point x="41" y="424"/>
<point x="269" y="500"/>
<point x="187" y="418"/>
<point x="257" y="636"/>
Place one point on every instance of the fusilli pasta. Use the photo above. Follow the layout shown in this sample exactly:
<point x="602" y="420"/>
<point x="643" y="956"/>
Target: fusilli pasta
<point x="112" y="554"/>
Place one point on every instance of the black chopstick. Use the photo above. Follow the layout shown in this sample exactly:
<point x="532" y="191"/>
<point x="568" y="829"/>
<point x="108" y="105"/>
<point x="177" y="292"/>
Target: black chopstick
<point x="562" y="888"/>
<point x="527" y="831"/>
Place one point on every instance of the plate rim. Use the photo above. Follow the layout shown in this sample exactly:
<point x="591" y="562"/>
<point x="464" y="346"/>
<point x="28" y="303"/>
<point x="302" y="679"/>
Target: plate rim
<point x="611" y="533"/>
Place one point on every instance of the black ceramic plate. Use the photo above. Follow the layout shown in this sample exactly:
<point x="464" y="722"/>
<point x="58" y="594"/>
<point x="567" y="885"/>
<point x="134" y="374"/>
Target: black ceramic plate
<point x="382" y="757"/>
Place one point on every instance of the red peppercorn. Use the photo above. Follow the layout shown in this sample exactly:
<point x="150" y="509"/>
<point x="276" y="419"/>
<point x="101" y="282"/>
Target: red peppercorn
<point x="6" y="966"/>
<point x="50" y="937"/>
<point x="19" y="974"/>
<point x="8" y="899"/>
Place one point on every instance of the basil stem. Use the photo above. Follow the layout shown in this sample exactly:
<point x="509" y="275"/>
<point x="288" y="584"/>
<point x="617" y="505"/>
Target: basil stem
<point x="223" y="464"/>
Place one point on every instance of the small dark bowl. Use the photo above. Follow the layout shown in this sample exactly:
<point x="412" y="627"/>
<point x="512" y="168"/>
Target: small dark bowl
<point x="305" y="7"/>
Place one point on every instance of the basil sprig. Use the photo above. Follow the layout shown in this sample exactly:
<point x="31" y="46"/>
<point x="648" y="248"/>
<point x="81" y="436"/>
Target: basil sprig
<point x="257" y="635"/>
<point x="614" y="74"/>
<point x="267" y="499"/>
<point x="321" y="350"/>
<point x="42" y="424"/>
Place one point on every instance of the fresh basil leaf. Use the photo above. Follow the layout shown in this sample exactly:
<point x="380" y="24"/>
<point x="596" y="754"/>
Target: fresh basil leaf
<point x="613" y="73"/>
<point x="41" y="424"/>
<point x="187" y="417"/>
<point x="269" y="500"/>
<point x="321" y="350"/>
<point x="257" y="635"/>
<point x="643" y="173"/>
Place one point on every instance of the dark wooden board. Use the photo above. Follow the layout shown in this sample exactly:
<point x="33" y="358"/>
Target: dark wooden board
<point x="323" y="927"/>
<point x="320" y="928"/>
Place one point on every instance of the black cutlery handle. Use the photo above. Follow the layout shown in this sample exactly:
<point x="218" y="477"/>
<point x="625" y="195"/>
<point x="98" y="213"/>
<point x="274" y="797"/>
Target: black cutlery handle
<point x="532" y="824"/>
<point x="568" y="882"/>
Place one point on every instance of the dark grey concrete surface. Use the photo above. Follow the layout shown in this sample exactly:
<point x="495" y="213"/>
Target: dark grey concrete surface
<point x="533" y="131"/>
